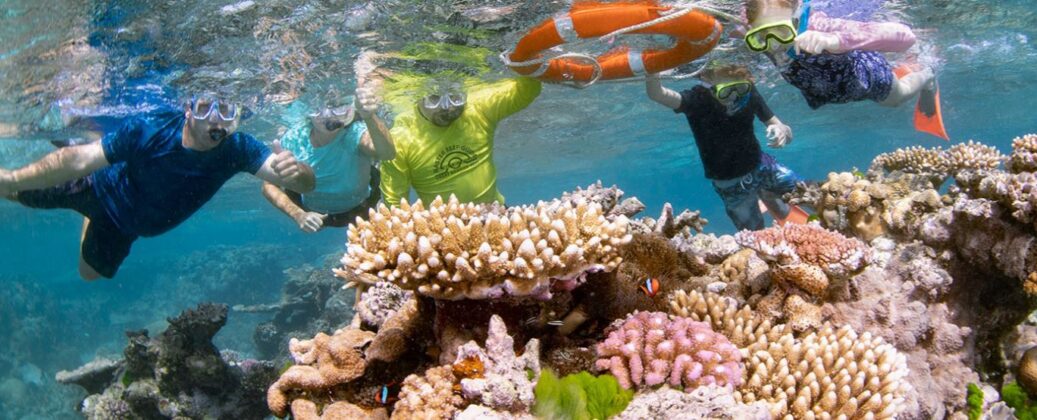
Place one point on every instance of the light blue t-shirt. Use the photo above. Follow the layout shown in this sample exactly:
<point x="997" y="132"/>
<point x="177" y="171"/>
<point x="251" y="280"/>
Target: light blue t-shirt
<point x="343" y="171"/>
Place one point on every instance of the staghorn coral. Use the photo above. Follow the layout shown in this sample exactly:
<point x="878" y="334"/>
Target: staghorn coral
<point x="504" y="384"/>
<point x="705" y="402"/>
<point x="454" y="251"/>
<point x="652" y="348"/>
<point x="914" y="159"/>
<point x="973" y="156"/>
<point x="321" y="363"/>
<point x="827" y="373"/>
<point x="837" y="255"/>
<point x="429" y="396"/>
<point x="380" y="301"/>
<point x="1024" y="154"/>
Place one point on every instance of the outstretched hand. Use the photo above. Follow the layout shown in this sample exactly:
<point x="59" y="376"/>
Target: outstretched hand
<point x="778" y="135"/>
<point x="814" y="42"/>
<point x="311" y="222"/>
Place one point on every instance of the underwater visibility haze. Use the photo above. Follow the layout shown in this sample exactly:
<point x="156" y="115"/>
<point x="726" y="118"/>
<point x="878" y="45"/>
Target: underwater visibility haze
<point x="613" y="284"/>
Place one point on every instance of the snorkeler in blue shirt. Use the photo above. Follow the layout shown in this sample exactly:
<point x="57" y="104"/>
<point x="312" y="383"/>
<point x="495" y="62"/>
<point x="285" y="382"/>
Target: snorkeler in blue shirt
<point x="148" y="177"/>
<point x="341" y="143"/>
<point x="721" y="117"/>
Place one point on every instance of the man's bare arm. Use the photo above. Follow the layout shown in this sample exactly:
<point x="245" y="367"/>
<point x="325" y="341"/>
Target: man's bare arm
<point x="58" y="167"/>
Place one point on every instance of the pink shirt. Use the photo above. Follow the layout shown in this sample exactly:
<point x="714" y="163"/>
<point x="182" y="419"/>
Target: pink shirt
<point x="871" y="36"/>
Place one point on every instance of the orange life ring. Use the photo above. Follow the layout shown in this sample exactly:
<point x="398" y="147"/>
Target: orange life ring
<point x="696" y="33"/>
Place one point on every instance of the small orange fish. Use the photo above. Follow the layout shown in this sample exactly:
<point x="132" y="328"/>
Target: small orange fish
<point x="650" y="287"/>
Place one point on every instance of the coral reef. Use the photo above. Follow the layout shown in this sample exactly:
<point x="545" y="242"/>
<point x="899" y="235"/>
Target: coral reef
<point x="1027" y="371"/>
<point x="454" y="251"/>
<point x="668" y="225"/>
<point x="802" y="258"/>
<point x="321" y="363"/>
<point x="705" y="402"/>
<point x="180" y="374"/>
<point x="651" y="348"/>
<point x="504" y="384"/>
<point x="396" y="333"/>
<point x="827" y="372"/>
<point x="429" y="396"/>
<point x="380" y="301"/>
<point x="1024" y="154"/>
<point x="312" y="300"/>
<point x="914" y="159"/>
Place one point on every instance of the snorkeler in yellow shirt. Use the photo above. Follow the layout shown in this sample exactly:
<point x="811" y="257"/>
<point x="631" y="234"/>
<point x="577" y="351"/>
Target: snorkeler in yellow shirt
<point x="445" y="145"/>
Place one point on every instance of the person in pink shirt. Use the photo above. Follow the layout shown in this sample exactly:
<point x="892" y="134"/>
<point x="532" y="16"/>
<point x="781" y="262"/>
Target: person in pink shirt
<point x="834" y="60"/>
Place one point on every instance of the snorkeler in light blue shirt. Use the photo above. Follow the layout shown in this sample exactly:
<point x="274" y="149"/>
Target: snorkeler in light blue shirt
<point x="341" y="143"/>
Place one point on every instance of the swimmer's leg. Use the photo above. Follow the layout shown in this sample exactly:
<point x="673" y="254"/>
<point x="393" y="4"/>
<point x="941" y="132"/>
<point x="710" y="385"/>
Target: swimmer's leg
<point x="87" y="272"/>
<point x="907" y="87"/>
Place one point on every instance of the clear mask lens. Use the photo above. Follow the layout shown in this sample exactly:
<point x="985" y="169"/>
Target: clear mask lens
<point x="204" y="108"/>
<point x="451" y="100"/>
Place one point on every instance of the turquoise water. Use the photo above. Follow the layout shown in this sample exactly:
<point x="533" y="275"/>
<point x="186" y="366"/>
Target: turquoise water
<point x="51" y="320"/>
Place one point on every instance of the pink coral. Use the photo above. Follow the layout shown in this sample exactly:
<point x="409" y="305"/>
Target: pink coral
<point x="812" y="244"/>
<point x="652" y="348"/>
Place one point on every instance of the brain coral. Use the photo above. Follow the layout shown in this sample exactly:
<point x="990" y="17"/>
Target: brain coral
<point x="455" y="251"/>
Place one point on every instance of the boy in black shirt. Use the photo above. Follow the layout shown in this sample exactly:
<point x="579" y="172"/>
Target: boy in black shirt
<point x="721" y="113"/>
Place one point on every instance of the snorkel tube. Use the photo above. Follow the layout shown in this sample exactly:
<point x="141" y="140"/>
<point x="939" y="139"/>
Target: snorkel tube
<point x="804" y="24"/>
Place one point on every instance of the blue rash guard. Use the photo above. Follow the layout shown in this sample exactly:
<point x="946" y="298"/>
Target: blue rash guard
<point x="154" y="183"/>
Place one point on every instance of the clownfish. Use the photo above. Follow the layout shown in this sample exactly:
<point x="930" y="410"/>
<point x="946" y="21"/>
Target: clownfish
<point x="650" y="287"/>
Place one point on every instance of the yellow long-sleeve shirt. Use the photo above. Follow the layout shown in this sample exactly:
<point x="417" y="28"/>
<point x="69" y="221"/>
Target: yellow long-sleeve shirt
<point x="456" y="159"/>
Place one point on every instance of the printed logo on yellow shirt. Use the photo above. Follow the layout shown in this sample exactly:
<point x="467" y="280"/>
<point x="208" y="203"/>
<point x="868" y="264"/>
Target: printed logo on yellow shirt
<point x="454" y="159"/>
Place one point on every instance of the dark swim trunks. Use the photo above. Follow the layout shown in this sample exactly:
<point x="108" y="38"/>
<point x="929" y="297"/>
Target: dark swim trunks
<point x="841" y="78"/>
<point x="104" y="247"/>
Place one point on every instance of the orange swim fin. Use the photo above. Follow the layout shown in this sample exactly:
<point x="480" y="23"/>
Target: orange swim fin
<point x="928" y="118"/>
<point x="796" y="215"/>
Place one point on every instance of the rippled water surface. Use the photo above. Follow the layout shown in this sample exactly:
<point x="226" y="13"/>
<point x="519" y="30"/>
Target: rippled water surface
<point x="63" y="59"/>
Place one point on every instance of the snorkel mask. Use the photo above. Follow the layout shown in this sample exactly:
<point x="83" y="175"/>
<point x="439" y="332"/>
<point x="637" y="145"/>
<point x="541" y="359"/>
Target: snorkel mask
<point x="334" y="117"/>
<point x="225" y="113"/>
<point x="443" y="108"/>
<point x="782" y="32"/>
<point x="723" y="91"/>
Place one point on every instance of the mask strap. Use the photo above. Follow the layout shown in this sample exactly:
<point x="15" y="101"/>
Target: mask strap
<point x="803" y="14"/>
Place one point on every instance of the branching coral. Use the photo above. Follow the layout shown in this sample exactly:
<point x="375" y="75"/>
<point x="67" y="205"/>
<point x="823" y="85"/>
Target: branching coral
<point x="652" y="348"/>
<point x="429" y="396"/>
<point x="504" y="384"/>
<point x="322" y="363"/>
<point x="914" y="159"/>
<point x="828" y="373"/>
<point x="833" y="372"/>
<point x="669" y="226"/>
<point x="973" y="156"/>
<point x="1024" y="154"/>
<point x="454" y="251"/>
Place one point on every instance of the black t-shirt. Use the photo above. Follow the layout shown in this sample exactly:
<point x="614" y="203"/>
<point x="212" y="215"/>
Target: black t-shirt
<point x="727" y="144"/>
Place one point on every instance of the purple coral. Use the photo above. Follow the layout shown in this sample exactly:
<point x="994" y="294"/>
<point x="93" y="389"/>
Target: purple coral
<point x="651" y="348"/>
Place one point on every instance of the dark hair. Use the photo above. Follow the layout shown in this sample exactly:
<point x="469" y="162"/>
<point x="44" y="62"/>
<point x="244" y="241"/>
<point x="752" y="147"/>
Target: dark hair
<point x="738" y="71"/>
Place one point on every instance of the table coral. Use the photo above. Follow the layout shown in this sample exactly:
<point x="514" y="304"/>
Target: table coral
<point x="453" y="251"/>
<point x="321" y="363"/>
<point x="652" y="348"/>
<point x="914" y="159"/>
<point x="973" y="156"/>
<point x="834" y="253"/>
